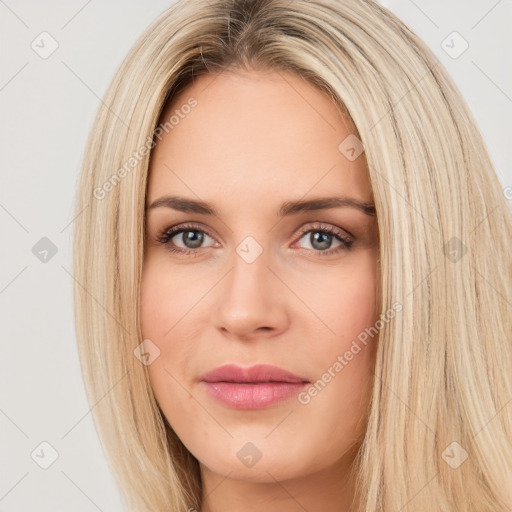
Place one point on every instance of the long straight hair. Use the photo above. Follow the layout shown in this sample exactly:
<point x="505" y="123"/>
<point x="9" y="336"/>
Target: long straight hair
<point x="439" y="425"/>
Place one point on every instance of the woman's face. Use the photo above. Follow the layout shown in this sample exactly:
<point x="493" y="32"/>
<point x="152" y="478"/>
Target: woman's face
<point x="260" y="281"/>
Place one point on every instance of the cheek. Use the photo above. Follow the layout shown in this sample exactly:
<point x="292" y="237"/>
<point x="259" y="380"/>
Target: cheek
<point x="166" y="297"/>
<point x="354" y="304"/>
<point x="343" y="301"/>
<point x="166" y="300"/>
<point x="157" y="316"/>
<point x="344" y="358"/>
<point x="157" y="291"/>
<point x="353" y="317"/>
<point x="153" y="303"/>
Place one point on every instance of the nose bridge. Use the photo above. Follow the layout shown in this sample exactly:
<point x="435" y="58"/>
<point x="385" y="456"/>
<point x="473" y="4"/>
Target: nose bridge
<point x="249" y="277"/>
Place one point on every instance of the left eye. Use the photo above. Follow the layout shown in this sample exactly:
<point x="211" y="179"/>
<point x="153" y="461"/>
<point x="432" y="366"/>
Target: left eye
<point x="321" y="240"/>
<point x="192" y="238"/>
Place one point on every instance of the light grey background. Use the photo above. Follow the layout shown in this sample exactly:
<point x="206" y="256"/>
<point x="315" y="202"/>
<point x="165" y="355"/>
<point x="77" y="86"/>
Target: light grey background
<point x="46" y="109"/>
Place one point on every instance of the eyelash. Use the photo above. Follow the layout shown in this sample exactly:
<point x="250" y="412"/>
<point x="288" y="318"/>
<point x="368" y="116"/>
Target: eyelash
<point x="167" y="234"/>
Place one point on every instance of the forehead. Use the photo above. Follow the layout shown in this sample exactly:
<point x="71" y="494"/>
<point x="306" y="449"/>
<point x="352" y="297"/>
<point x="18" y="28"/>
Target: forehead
<point x="252" y="136"/>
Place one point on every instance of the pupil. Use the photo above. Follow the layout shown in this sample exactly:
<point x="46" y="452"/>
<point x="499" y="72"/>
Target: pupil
<point x="323" y="238"/>
<point x="194" y="238"/>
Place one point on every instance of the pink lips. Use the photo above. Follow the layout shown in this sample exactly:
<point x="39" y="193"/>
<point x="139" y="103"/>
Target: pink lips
<point x="252" y="388"/>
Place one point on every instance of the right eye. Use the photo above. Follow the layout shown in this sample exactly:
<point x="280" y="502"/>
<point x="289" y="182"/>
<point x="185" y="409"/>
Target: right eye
<point x="191" y="237"/>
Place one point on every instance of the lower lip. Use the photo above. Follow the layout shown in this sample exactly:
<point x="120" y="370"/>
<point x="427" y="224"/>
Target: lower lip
<point x="253" y="396"/>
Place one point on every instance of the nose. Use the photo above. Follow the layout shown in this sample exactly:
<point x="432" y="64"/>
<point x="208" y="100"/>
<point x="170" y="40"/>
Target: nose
<point x="251" y="301"/>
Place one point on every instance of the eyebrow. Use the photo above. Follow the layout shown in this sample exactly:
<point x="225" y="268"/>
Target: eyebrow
<point x="186" y="205"/>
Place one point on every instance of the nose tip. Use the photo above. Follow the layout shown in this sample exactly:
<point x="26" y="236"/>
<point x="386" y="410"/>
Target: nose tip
<point x="249" y="307"/>
<point x="246" y="327"/>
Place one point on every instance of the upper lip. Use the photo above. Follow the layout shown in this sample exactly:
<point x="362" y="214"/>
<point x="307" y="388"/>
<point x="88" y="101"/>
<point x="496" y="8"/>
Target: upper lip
<point x="257" y="373"/>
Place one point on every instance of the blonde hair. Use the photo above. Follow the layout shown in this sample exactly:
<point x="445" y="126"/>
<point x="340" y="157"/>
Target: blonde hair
<point x="443" y="365"/>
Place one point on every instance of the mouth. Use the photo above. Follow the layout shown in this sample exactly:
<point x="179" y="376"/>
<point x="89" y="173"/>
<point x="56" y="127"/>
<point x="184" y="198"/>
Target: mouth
<point x="256" y="387"/>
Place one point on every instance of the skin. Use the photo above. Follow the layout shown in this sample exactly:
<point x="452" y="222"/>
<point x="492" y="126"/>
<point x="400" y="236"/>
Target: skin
<point x="255" y="140"/>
